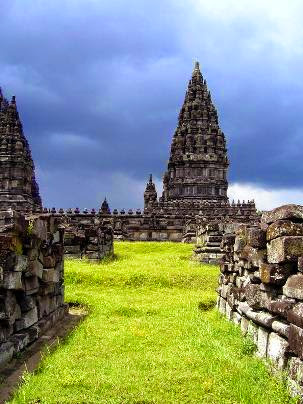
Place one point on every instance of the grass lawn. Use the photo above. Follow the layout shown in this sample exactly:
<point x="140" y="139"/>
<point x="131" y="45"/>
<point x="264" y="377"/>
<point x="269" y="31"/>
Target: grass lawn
<point x="146" y="339"/>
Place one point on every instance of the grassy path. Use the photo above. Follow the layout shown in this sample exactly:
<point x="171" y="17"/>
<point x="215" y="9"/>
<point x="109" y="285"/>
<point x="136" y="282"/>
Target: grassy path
<point x="146" y="340"/>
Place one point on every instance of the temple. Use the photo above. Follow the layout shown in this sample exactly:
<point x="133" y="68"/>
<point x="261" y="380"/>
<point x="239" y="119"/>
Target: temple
<point x="18" y="187"/>
<point x="194" y="183"/>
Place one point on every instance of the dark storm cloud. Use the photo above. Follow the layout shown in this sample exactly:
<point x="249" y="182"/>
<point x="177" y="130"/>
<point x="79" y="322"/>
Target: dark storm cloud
<point x="99" y="86"/>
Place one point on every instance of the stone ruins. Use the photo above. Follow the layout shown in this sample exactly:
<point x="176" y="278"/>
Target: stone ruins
<point x="194" y="184"/>
<point x="261" y="281"/>
<point x="261" y="287"/>
<point x="31" y="279"/>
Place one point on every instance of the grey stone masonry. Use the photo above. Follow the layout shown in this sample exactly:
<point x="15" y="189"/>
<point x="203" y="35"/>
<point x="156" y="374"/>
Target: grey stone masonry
<point x="18" y="187"/>
<point x="261" y="280"/>
<point x="87" y="236"/>
<point x="31" y="279"/>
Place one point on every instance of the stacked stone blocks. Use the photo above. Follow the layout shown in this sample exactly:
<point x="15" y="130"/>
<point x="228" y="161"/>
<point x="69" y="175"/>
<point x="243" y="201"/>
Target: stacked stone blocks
<point x="87" y="236"/>
<point x="261" y="286"/>
<point x="31" y="279"/>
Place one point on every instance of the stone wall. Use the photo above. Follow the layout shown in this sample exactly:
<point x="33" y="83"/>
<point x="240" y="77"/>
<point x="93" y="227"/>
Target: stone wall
<point x="31" y="279"/>
<point x="87" y="236"/>
<point x="261" y="286"/>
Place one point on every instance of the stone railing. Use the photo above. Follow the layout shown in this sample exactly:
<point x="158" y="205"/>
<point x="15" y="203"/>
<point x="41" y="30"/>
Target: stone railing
<point x="261" y="287"/>
<point x="31" y="279"/>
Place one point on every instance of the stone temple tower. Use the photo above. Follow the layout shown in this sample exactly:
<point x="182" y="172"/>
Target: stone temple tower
<point x="197" y="167"/>
<point x="18" y="187"/>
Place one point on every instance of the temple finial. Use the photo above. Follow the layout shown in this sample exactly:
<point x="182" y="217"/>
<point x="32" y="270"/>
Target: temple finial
<point x="150" y="178"/>
<point x="197" y="67"/>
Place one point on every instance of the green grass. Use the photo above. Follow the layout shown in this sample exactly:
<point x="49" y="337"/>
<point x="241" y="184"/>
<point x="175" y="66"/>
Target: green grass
<point x="151" y="336"/>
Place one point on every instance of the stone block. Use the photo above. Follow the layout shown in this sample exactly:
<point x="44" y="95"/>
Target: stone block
<point x="21" y="263"/>
<point x="295" y="370"/>
<point x="222" y="306"/>
<point x="6" y="352"/>
<point x="92" y="247"/>
<point x="262" y="342"/>
<point x="294" y="287"/>
<point x="35" y="268"/>
<point x="275" y="274"/>
<point x="296" y="340"/>
<point x="244" y="324"/>
<point x="252" y="331"/>
<point x="295" y="315"/>
<point x="256" y="238"/>
<point x="12" y="280"/>
<point x="26" y="302"/>
<point x="49" y="261"/>
<point x="280" y="328"/>
<point x="253" y="295"/>
<point x="285" y="212"/>
<point x="254" y="256"/>
<point x="31" y="285"/>
<point x="284" y="228"/>
<point x="29" y="318"/>
<point x="300" y="264"/>
<point x="228" y="311"/>
<point x="236" y="318"/>
<point x="50" y="275"/>
<point x="284" y="249"/>
<point x="276" y="349"/>
<point x="281" y="307"/>
<point x="72" y="249"/>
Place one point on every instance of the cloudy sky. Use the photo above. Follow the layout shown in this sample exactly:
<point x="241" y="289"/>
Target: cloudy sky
<point x="99" y="85"/>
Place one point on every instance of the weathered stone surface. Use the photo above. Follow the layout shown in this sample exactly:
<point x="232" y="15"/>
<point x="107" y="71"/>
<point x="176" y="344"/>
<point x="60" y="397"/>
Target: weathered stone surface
<point x="296" y="340"/>
<point x="296" y="369"/>
<point x="29" y="318"/>
<point x="252" y="331"/>
<point x="12" y="280"/>
<point x="21" y="263"/>
<point x="256" y="238"/>
<point x="6" y="352"/>
<point x="262" y="342"/>
<point x="275" y="274"/>
<point x="281" y="307"/>
<point x="282" y="249"/>
<point x="300" y="264"/>
<point x="35" y="268"/>
<point x="276" y="349"/>
<point x="254" y="256"/>
<point x="284" y="228"/>
<point x="50" y="275"/>
<point x="295" y="315"/>
<point x="253" y="296"/>
<point x="222" y="306"/>
<point x="285" y="212"/>
<point x="294" y="287"/>
<point x="244" y="324"/>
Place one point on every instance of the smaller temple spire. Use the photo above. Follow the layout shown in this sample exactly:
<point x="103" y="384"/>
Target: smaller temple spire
<point x="150" y="194"/>
<point x="105" y="210"/>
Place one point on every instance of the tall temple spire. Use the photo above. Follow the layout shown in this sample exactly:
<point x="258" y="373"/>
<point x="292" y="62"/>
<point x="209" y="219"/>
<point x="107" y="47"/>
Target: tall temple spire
<point x="18" y="186"/>
<point x="198" y="161"/>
